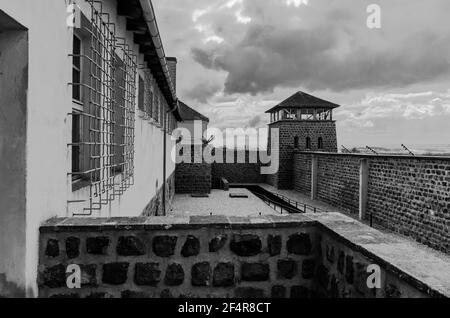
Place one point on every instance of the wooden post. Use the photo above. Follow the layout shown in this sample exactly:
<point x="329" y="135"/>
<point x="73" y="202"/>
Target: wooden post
<point x="314" y="176"/>
<point x="363" y="185"/>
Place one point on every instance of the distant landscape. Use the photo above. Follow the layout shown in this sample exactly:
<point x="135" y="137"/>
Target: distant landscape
<point x="416" y="149"/>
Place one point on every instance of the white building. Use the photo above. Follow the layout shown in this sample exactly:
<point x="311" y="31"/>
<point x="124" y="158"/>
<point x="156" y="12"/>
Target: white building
<point x="87" y="104"/>
<point x="194" y="123"/>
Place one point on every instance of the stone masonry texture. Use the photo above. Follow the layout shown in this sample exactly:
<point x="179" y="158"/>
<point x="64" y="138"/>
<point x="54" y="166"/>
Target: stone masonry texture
<point x="194" y="177"/>
<point x="288" y="131"/>
<point x="406" y="195"/>
<point x="253" y="262"/>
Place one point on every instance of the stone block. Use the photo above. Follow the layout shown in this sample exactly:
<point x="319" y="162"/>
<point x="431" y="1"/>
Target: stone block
<point x="287" y="268"/>
<point x="217" y="243"/>
<point x="191" y="247"/>
<point x="274" y="244"/>
<point x="115" y="273"/>
<point x="174" y="275"/>
<point x="97" y="245"/>
<point x="54" y="277"/>
<point x="72" y="247"/>
<point x="299" y="244"/>
<point x="308" y="268"/>
<point x="341" y="262"/>
<point x="249" y="293"/>
<point x="255" y="272"/>
<point x="201" y="274"/>
<point x="147" y="274"/>
<point x="89" y="275"/>
<point x="349" y="269"/>
<point x="223" y="275"/>
<point x="299" y="292"/>
<point x="166" y="294"/>
<point x="323" y="276"/>
<point x="246" y="245"/>
<point x="52" y="249"/>
<point x="330" y="254"/>
<point x="130" y="246"/>
<point x="278" y="291"/>
<point x="130" y="294"/>
<point x="164" y="246"/>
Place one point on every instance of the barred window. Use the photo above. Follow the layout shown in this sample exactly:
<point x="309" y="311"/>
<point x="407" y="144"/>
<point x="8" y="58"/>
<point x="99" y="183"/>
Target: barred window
<point x="104" y="91"/>
<point x="141" y="94"/>
<point x="76" y="68"/>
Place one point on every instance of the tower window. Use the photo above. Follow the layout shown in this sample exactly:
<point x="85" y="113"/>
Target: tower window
<point x="308" y="143"/>
<point x="320" y="143"/>
<point x="296" y="142"/>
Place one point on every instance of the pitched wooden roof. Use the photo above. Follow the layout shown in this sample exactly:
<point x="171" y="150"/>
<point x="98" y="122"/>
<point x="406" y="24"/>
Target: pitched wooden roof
<point x="303" y="100"/>
<point x="187" y="113"/>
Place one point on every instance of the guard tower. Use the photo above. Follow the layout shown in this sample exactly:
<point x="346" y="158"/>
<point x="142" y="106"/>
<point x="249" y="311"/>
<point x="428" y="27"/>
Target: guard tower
<point x="305" y="123"/>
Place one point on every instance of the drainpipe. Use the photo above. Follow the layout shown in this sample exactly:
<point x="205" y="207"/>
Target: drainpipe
<point x="164" y="164"/>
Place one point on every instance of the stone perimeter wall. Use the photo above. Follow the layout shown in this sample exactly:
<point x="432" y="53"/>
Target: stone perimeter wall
<point x="238" y="172"/>
<point x="192" y="177"/>
<point x="407" y="195"/>
<point x="286" y="260"/>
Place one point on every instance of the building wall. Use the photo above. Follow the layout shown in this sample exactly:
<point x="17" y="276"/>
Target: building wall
<point x="407" y="195"/>
<point x="13" y="118"/>
<point x="48" y="188"/>
<point x="194" y="176"/>
<point x="288" y="130"/>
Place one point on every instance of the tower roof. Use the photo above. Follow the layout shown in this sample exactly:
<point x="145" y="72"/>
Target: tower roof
<point x="303" y="100"/>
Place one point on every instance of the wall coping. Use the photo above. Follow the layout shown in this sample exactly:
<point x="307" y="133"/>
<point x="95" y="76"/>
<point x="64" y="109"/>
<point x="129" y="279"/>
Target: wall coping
<point x="360" y="155"/>
<point x="426" y="270"/>
<point x="159" y="223"/>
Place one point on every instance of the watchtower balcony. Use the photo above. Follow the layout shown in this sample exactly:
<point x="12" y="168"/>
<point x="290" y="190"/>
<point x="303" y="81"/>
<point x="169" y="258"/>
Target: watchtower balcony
<point x="301" y="114"/>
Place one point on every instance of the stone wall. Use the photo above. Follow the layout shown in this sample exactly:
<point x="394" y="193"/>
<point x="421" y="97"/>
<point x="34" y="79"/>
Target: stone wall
<point x="192" y="177"/>
<point x="338" y="182"/>
<point x="302" y="174"/>
<point x="237" y="172"/>
<point x="412" y="197"/>
<point x="407" y="195"/>
<point x="288" y="131"/>
<point x="343" y="273"/>
<point x="271" y="256"/>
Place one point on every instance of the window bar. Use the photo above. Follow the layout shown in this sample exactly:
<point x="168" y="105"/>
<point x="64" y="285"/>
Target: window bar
<point x="130" y="70"/>
<point x="98" y="121"/>
<point x="148" y="94"/>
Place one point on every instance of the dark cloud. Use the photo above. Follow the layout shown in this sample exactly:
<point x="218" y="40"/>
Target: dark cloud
<point x="202" y="92"/>
<point x="255" y="122"/>
<point x="337" y="54"/>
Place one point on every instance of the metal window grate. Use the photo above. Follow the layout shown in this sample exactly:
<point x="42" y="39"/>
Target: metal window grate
<point x="106" y="141"/>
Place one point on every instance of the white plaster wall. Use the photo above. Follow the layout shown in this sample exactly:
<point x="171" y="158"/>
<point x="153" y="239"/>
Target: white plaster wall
<point x="48" y="132"/>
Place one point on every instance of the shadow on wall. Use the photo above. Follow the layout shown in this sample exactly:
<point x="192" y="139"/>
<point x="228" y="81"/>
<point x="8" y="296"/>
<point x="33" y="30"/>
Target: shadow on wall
<point x="13" y="114"/>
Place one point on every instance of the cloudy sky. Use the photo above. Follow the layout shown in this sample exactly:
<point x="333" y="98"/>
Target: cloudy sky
<point x="237" y="58"/>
